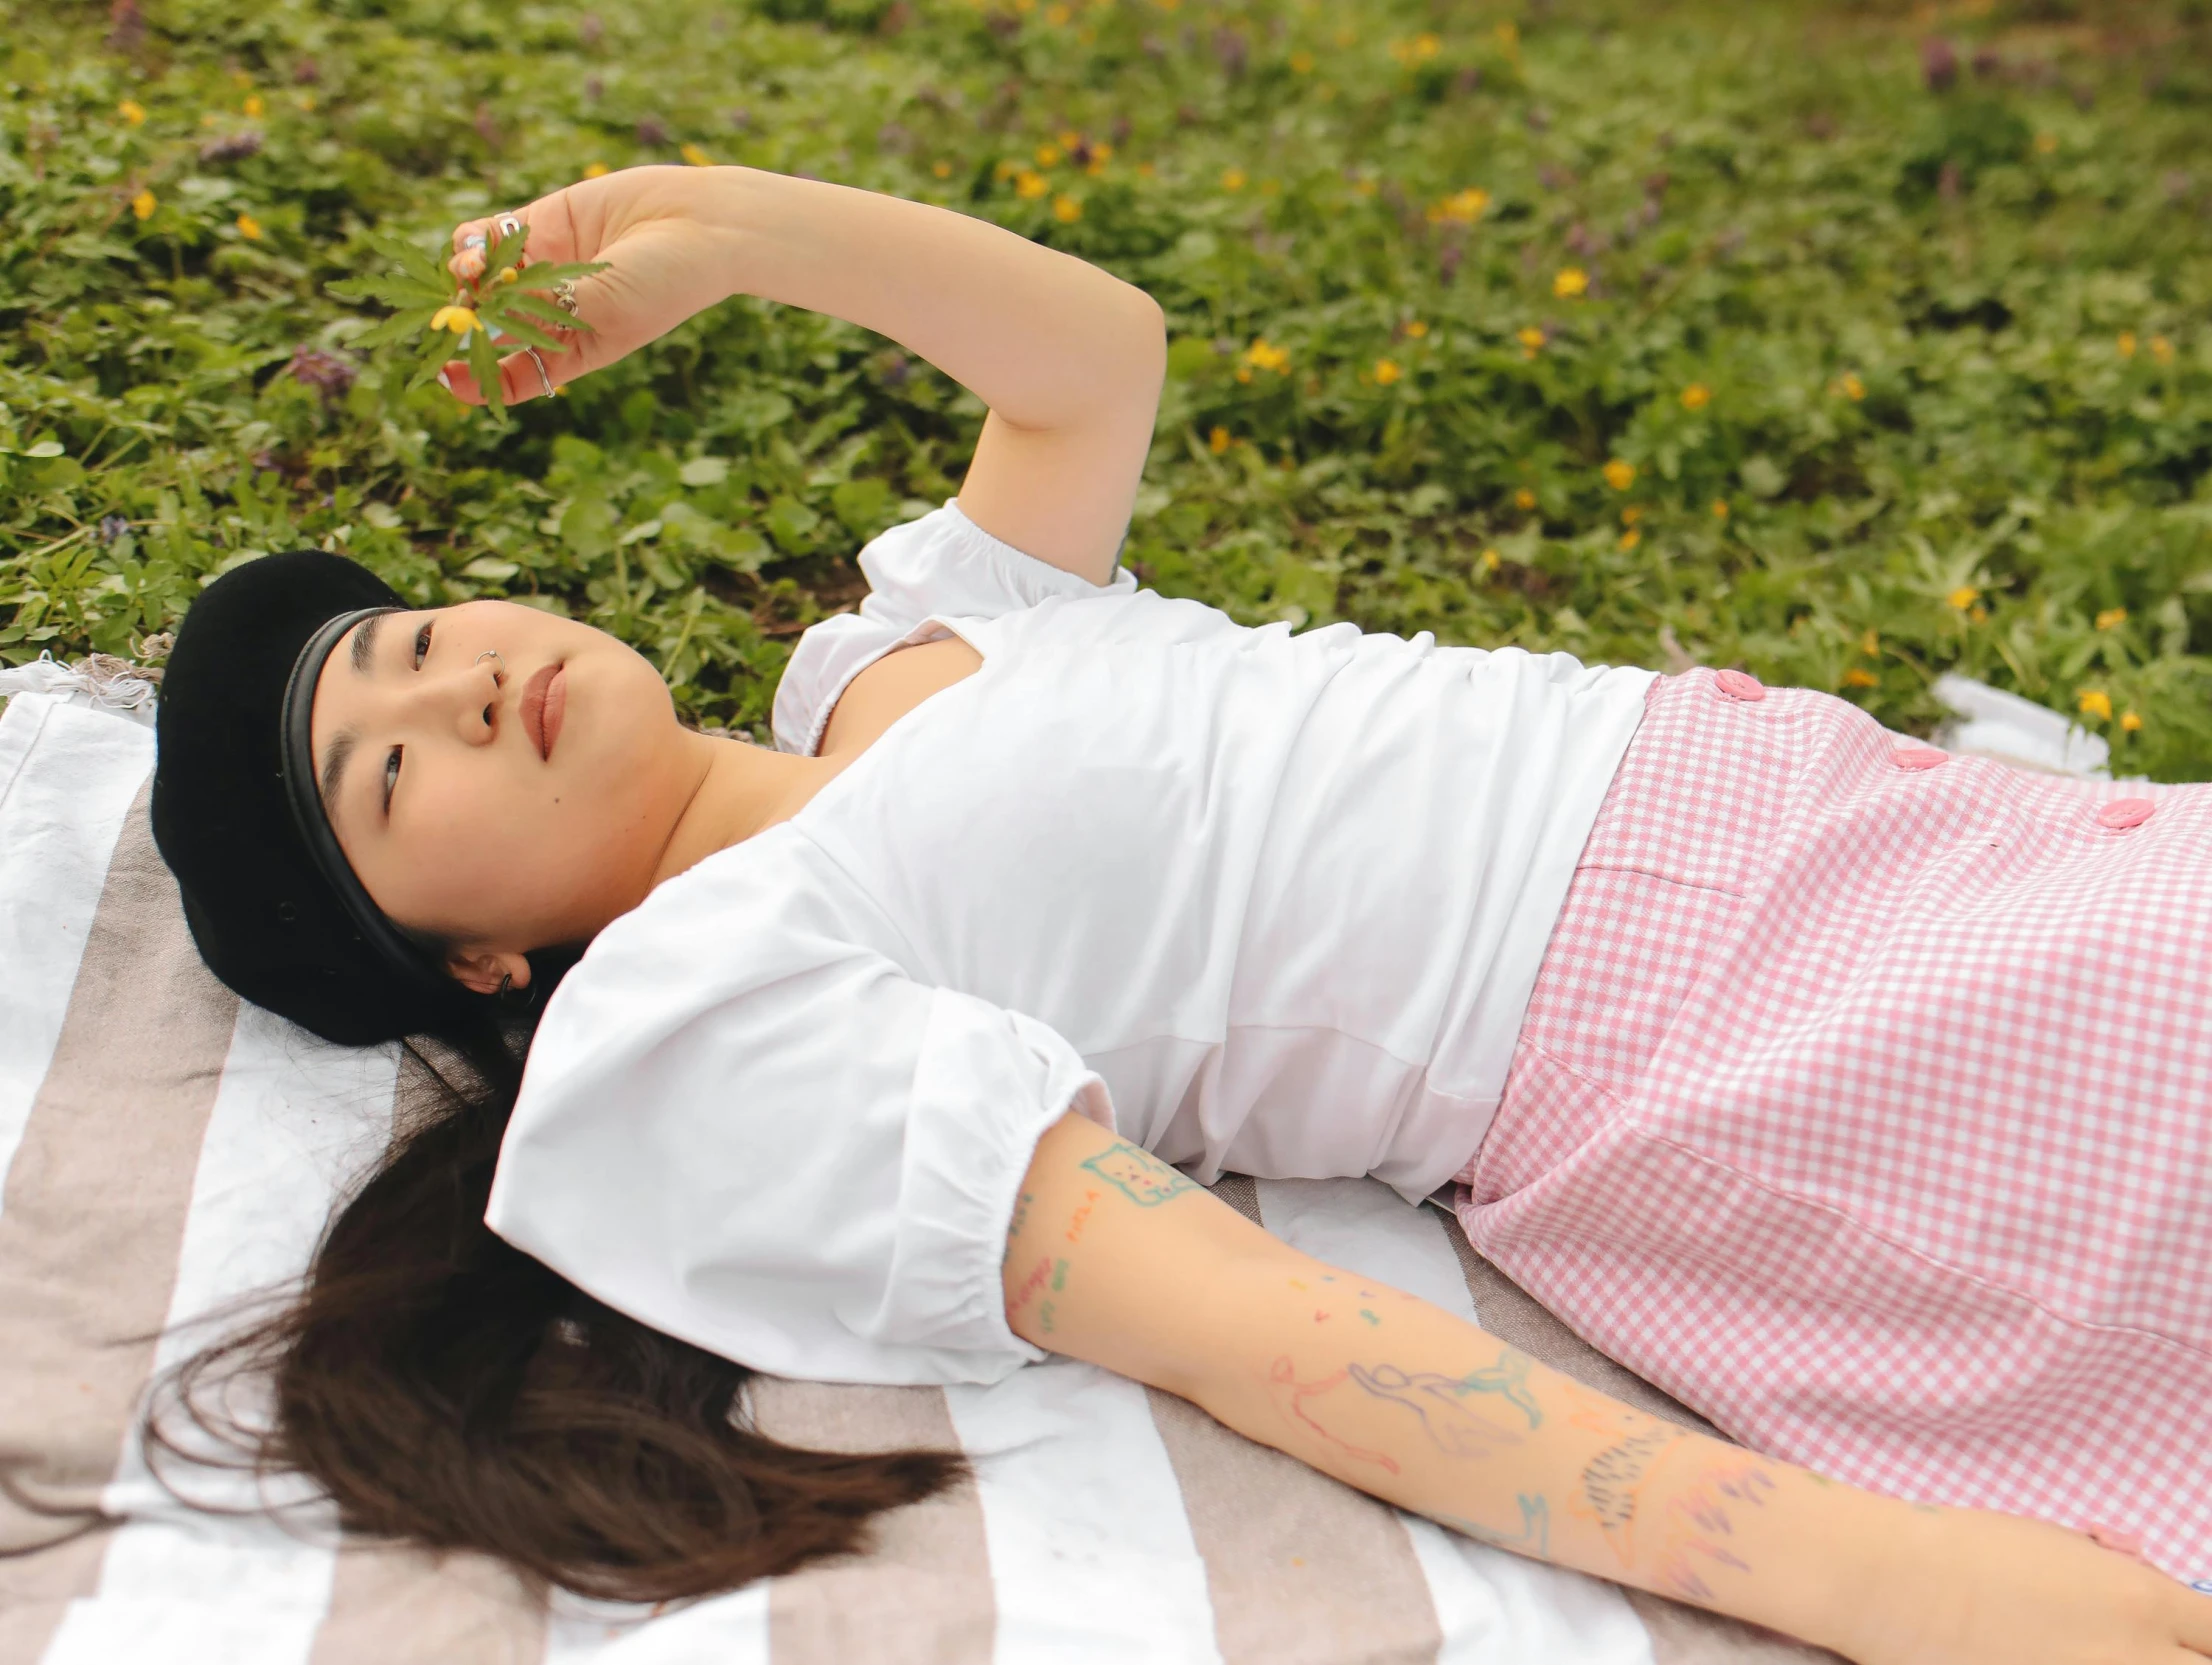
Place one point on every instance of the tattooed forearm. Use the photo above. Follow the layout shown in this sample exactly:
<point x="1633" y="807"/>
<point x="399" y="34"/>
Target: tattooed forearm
<point x="1698" y="1524"/>
<point x="1139" y="1175"/>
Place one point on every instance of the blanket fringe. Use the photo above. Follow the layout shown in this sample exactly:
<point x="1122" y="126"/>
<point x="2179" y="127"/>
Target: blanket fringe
<point x="100" y="681"/>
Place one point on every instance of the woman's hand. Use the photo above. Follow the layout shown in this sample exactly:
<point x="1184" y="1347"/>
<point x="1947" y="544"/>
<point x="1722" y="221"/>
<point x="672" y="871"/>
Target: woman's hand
<point x="666" y="260"/>
<point x="1978" y="1588"/>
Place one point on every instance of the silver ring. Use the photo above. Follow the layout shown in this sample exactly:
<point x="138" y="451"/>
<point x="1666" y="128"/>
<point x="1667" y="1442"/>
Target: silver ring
<point x="493" y="653"/>
<point x="564" y="296"/>
<point x="508" y="225"/>
<point x="543" y="375"/>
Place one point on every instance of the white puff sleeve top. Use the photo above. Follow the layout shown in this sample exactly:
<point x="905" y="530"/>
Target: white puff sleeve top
<point x="1257" y="901"/>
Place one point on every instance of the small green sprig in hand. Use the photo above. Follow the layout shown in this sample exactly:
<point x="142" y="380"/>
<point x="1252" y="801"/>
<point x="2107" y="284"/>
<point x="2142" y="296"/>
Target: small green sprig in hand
<point x="506" y="299"/>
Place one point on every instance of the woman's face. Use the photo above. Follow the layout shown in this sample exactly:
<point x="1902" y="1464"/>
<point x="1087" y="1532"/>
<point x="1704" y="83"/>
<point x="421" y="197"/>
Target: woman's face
<point x="499" y="777"/>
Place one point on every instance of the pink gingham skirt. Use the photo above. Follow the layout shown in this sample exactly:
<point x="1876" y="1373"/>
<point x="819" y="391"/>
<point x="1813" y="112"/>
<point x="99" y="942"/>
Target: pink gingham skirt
<point x="1864" y="1103"/>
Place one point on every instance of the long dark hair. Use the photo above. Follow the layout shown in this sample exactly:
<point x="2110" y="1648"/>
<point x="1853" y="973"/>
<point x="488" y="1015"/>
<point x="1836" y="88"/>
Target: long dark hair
<point x="445" y="1389"/>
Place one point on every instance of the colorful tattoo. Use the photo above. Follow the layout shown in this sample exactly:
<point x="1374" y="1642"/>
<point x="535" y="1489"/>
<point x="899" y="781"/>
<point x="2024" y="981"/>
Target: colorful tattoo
<point x="1697" y="1521"/>
<point x="1291" y="1396"/>
<point x="1021" y="1215"/>
<point x="1534" y="1538"/>
<point x="1613" y="1482"/>
<point x="1082" y="1216"/>
<point x="1370" y="1317"/>
<point x="1140" y="1176"/>
<point x="1439" y="1401"/>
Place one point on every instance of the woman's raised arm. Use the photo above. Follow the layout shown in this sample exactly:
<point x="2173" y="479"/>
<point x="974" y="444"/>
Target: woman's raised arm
<point x="1069" y="359"/>
<point x="1117" y="1258"/>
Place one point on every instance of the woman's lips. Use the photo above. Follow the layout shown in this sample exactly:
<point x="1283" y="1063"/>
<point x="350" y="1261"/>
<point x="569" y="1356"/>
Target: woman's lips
<point x="544" y="698"/>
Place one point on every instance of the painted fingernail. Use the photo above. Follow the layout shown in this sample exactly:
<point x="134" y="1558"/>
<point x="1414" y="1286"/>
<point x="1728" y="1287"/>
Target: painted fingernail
<point x="474" y="240"/>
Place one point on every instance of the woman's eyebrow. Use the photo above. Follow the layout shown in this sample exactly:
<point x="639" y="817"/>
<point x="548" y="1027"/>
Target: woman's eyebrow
<point x="364" y="643"/>
<point x="334" y="766"/>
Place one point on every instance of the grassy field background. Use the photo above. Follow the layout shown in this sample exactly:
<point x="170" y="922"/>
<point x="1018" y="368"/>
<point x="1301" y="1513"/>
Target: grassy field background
<point x="1847" y="343"/>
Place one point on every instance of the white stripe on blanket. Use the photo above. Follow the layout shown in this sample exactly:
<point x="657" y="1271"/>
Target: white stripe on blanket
<point x="58" y="826"/>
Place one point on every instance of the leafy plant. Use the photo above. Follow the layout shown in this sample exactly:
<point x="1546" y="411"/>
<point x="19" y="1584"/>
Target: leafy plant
<point x="504" y="301"/>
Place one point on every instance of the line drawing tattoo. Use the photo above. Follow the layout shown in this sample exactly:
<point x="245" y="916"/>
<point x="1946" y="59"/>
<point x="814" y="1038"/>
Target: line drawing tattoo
<point x="1614" y="1479"/>
<point x="1441" y="1402"/>
<point x="1698" y="1519"/>
<point x="1031" y="1284"/>
<point x="1534" y="1536"/>
<point x="1139" y="1175"/>
<point x="1292" y="1396"/>
<point x="1021" y="1214"/>
<point x="1370" y="1317"/>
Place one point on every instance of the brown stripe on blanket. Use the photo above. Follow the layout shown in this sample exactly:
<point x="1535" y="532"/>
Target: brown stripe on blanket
<point x="1299" y="1566"/>
<point x="923" y="1593"/>
<point x="93" y="1223"/>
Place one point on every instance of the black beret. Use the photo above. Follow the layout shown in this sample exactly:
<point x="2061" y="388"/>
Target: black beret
<point x="272" y="921"/>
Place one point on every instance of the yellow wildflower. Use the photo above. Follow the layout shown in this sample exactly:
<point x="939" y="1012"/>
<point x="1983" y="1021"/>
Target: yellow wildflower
<point x="2162" y="349"/>
<point x="1720" y="508"/>
<point x="1531" y="339"/>
<point x="1620" y="475"/>
<point x="943" y="170"/>
<point x="1490" y="560"/>
<point x="1048" y="156"/>
<point x="2112" y="616"/>
<point x="1145" y="170"/>
<point x="1067" y="210"/>
<point x="1416" y="328"/>
<point x="1057" y="15"/>
<point x="1871" y="645"/>
<point x="1069" y="138"/>
<point x="1977" y="614"/>
<point x="2046" y="144"/>
<point x="249" y="228"/>
<point x="1030" y="185"/>
<point x="132" y="111"/>
<point x="1963" y="597"/>
<point x="1631" y="538"/>
<point x="2130" y="720"/>
<point x="2126" y="343"/>
<point x="1218" y="441"/>
<point x="1102" y="152"/>
<point x="459" y="319"/>
<point x="1232" y="179"/>
<point x="1859" y="677"/>
<point x="1509" y="37"/>
<point x="1696" y="396"/>
<point x="144" y="204"/>
<point x="2095" y="702"/>
<point x="595" y="170"/>
<point x="1632" y="514"/>
<point x="507" y="274"/>
<point x="1387" y="371"/>
<point x="694" y="157"/>
<point x="1265" y="355"/>
<point x="253" y="105"/>
<point x="1005" y="171"/>
<point x="1524" y="500"/>
<point x="1849" y="385"/>
<point x="1419" y="50"/>
<point x="1461" y="208"/>
<point x="1301" y="63"/>
<point x="1244" y="372"/>
<point x="1571" y="281"/>
<point x="1167" y="5"/>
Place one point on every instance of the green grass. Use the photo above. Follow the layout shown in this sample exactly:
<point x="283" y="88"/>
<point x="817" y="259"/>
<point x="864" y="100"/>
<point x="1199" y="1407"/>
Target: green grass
<point x="1953" y="346"/>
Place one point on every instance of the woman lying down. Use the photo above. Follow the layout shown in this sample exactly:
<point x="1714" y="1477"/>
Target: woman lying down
<point x="1851" y="1092"/>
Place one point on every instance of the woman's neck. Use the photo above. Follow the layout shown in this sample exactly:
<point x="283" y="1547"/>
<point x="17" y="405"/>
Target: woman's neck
<point x="742" y="790"/>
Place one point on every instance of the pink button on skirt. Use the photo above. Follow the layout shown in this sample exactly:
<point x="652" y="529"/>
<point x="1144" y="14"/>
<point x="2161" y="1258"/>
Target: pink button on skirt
<point x="1868" y="1110"/>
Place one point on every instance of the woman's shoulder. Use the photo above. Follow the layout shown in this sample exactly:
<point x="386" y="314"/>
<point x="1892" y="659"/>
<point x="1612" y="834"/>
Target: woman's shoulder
<point x="938" y="566"/>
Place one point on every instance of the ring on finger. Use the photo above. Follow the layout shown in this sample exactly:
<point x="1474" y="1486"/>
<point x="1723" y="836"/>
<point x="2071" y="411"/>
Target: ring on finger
<point x="544" y="375"/>
<point x="508" y="225"/>
<point x="474" y="240"/>
<point x="564" y="296"/>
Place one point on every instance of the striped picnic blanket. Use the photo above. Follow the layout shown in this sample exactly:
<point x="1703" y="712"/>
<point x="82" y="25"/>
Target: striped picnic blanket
<point x="165" y="1149"/>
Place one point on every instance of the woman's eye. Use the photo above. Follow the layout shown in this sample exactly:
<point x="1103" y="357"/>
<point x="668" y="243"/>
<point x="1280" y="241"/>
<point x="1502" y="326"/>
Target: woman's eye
<point x="422" y="646"/>
<point x="391" y="775"/>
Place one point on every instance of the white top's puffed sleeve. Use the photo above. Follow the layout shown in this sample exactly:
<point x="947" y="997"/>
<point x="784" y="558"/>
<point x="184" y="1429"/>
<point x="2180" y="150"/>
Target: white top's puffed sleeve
<point x="942" y="566"/>
<point x="746" y="1132"/>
